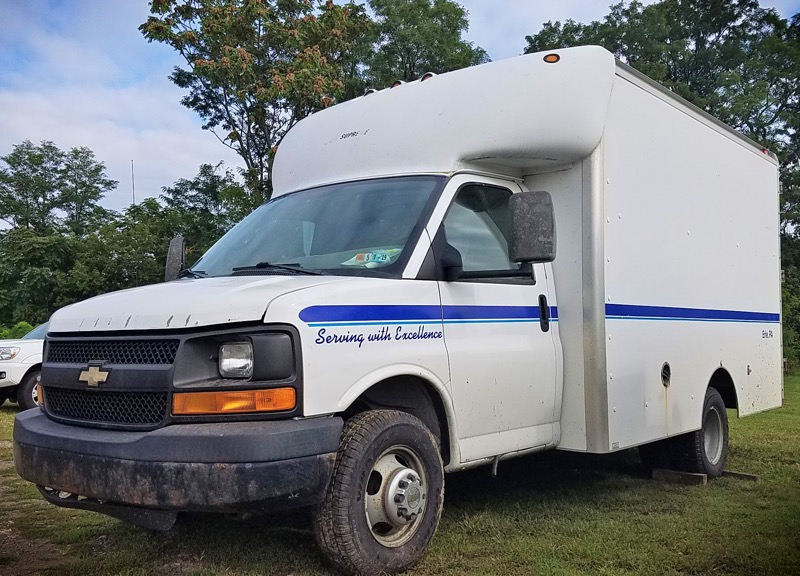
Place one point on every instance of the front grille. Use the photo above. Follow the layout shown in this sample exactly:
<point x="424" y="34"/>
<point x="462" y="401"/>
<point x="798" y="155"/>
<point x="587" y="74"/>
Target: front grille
<point x="107" y="407"/>
<point x="112" y="351"/>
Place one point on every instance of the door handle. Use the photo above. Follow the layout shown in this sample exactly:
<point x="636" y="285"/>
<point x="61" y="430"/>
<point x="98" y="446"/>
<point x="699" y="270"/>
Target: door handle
<point x="544" y="313"/>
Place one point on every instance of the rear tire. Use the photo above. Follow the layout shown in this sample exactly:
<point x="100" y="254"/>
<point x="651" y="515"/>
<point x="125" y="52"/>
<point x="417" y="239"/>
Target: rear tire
<point x="706" y="450"/>
<point x="27" y="396"/>
<point x="384" y="500"/>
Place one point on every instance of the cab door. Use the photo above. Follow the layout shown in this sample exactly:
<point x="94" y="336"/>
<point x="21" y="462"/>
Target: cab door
<point x="496" y="329"/>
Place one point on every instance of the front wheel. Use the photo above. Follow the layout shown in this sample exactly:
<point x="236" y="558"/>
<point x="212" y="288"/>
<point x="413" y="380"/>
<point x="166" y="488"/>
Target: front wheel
<point x="706" y="450"/>
<point x="27" y="393"/>
<point x="385" y="498"/>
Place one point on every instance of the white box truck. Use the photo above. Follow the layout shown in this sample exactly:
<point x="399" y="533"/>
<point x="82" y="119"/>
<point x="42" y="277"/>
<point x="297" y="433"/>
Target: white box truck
<point x="549" y="251"/>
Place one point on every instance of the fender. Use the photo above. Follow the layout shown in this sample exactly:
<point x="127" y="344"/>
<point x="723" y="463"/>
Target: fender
<point x="384" y="373"/>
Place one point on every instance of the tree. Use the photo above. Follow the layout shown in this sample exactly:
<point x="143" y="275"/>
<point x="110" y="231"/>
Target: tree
<point x="125" y="252"/>
<point x="16" y="331"/>
<point x="419" y="36"/>
<point x="256" y="67"/>
<point x="687" y="45"/>
<point x="43" y="186"/>
<point x="83" y="184"/>
<point x="206" y="207"/>
<point x="33" y="269"/>
<point x="30" y="184"/>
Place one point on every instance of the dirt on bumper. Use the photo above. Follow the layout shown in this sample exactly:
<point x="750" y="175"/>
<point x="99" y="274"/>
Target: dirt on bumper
<point x="87" y="463"/>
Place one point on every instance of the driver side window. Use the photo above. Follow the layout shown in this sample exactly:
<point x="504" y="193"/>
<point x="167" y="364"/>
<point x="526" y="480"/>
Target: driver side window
<point x="477" y="226"/>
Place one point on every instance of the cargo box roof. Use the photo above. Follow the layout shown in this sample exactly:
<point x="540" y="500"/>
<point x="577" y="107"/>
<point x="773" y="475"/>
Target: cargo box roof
<point x="522" y="112"/>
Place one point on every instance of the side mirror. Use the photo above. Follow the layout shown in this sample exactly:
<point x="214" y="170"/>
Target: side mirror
<point x="532" y="234"/>
<point x="174" y="258"/>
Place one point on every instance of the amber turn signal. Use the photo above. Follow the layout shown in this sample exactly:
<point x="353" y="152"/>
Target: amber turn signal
<point x="233" y="402"/>
<point x="552" y="58"/>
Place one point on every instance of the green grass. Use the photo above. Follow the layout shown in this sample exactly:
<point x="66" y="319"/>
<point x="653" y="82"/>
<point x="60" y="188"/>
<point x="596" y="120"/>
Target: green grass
<point x="553" y="513"/>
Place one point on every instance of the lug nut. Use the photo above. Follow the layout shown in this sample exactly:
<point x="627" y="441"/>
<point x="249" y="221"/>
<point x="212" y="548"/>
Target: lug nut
<point x="410" y="476"/>
<point x="403" y="484"/>
<point x="401" y="512"/>
<point x="399" y="498"/>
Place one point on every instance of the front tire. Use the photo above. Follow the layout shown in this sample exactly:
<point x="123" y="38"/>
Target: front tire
<point x="27" y="395"/>
<point x="385" y="498"/>
<point x="706" y="450"/>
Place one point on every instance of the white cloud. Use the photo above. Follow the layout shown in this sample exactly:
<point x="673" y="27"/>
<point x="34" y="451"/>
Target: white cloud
<point x="86" y="77"/>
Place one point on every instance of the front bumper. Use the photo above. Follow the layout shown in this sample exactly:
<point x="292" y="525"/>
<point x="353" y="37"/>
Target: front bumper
<point x="221" y="467"/>
<point x="12" y="373"/>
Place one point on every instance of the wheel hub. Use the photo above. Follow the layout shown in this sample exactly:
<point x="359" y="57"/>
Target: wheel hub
<point x="405" y="496"/>
<point x="713" y="435"/>
<point x="396" y="496"/>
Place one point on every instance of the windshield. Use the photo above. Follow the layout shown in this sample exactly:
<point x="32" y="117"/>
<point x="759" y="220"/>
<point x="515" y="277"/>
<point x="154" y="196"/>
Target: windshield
<point x="352" y="228"/>
<point x="37" y="333"/>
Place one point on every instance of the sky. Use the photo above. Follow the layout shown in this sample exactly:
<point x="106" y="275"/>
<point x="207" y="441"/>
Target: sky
<point x="79" y="73"/>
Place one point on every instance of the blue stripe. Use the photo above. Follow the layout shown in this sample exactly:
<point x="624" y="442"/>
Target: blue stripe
<point x="428" y="322"/>
<point x="387" y="314"/>
<point x="358" y="315"/>
<point x="631" y="312"/>
<point x="490" y="313"/>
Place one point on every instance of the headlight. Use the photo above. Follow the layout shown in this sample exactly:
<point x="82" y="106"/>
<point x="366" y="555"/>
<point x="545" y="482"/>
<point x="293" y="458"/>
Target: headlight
<point x="236" y="360"/>
<point x="8" y="353"/>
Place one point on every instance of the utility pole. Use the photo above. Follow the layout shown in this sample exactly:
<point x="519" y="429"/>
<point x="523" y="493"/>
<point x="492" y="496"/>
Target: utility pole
<point x="133" y="185"/>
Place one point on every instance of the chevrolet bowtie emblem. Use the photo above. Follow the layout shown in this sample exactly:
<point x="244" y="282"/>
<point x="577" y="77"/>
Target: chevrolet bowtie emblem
<point x="93" y="376"/>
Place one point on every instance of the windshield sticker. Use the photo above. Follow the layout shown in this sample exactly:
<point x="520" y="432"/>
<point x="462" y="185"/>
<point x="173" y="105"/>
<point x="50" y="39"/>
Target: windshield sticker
<point x="373" y="259"/>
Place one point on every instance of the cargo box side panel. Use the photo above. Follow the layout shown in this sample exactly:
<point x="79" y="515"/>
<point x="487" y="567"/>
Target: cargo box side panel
<point x="691" y="266"/>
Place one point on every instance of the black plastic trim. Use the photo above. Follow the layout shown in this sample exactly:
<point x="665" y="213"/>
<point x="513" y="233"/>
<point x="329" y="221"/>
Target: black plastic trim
<point x="195" y="369"/>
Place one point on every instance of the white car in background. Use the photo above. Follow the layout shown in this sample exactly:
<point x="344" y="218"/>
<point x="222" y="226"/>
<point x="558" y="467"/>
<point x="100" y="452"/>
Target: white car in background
<point x="20" y="365"/>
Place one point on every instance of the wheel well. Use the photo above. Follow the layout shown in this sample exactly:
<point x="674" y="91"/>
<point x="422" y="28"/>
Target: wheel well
<point x="722" y="381"/>
<point x="408" y="394"/>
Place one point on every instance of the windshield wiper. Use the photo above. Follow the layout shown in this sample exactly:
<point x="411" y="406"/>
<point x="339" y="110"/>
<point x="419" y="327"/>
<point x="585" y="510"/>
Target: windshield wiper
<point x="294" y="268"/>
<point x="188" y="273"/>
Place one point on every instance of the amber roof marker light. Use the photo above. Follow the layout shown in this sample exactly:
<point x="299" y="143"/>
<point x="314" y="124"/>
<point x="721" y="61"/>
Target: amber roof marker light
<point x="551" y="58"/>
